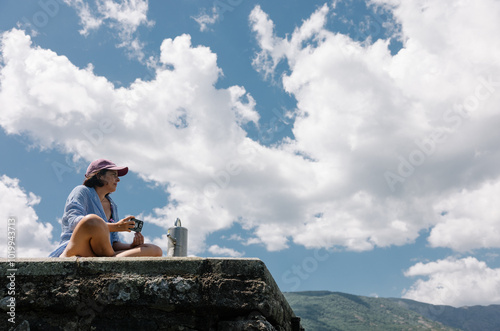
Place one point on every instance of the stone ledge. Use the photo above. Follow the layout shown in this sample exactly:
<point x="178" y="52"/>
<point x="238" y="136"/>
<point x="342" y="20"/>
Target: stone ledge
<point x="174" y="293"/>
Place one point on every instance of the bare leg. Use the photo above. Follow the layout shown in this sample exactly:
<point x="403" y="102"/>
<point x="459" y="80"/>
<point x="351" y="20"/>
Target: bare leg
<point x="90" y="238"/>
<point x="141" y="250"/>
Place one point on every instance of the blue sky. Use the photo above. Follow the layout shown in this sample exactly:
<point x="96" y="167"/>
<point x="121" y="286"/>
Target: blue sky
<point x="350" y="145"/>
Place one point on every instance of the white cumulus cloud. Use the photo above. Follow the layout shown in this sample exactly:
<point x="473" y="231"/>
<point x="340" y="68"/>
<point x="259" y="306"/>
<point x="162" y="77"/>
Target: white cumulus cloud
<point x="454" y="282"/>
<point x="390" y="136"/>
<point x="20" y="223"/>
<point x="224" y="251"/>
<point x="470" y="219"/>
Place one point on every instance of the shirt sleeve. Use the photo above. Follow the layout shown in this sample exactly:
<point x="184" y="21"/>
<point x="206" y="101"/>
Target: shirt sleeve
<point x="75" y="208"/>
<point x="114" y="237"/>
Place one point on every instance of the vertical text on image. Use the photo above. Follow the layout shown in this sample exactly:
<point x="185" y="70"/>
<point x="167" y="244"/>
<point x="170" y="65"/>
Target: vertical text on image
<point x="11" y="270"/>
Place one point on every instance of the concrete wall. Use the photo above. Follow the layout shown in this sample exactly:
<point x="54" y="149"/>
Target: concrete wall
<point x="142" y="294"/>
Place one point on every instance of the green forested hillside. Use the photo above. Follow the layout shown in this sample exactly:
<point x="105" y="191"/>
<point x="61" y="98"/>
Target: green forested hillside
<point x="331" y="311"/>
<point x="475" y="318"/>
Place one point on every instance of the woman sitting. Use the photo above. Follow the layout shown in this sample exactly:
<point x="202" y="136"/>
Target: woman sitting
<point x="89" y="223"/>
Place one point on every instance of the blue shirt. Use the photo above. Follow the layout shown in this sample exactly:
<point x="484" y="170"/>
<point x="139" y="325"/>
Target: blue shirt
<point x="82" y="201"/>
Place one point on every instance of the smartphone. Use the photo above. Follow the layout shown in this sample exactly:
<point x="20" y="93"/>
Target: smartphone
<point x="138" y="225"/>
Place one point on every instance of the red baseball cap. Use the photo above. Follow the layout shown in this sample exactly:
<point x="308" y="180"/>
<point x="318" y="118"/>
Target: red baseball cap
<point x="100" y="164"/>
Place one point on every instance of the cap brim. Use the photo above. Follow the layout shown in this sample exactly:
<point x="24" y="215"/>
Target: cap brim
<point x="122" y="171"/>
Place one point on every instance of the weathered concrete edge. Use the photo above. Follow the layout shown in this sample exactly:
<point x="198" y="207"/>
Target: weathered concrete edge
<point x="240" y="268"/>
<point x="138" y="265"/>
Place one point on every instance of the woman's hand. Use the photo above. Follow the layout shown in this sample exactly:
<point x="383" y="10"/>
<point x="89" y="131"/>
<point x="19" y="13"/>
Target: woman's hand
<point x="125" y="224"/>
<point x="138" y="240"/>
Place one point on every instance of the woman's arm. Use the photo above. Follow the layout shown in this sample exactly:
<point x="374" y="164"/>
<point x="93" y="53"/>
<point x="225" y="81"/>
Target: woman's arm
<point x="122" y="225"/>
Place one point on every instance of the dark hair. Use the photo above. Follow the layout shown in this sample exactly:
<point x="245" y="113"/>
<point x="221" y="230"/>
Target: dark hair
<point x="94" y="180"/>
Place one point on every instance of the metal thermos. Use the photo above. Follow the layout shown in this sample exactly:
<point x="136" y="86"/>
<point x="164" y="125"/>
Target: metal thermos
<point x="178" y="240"/>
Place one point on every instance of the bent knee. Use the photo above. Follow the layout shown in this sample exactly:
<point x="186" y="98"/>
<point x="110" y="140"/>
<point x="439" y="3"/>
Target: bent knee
<point x="154" y="250"/>
<point x="93" y="221"/>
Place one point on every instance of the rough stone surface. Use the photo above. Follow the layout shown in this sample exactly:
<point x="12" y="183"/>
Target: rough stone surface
<point x="144" y="294"/>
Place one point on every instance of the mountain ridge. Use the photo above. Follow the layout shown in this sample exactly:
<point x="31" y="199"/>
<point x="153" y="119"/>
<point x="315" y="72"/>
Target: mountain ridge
<point x="332" y="311"/>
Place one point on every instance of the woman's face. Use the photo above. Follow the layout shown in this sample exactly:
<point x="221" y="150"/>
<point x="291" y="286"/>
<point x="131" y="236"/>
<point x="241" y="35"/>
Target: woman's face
<point x="110" y="180"/>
